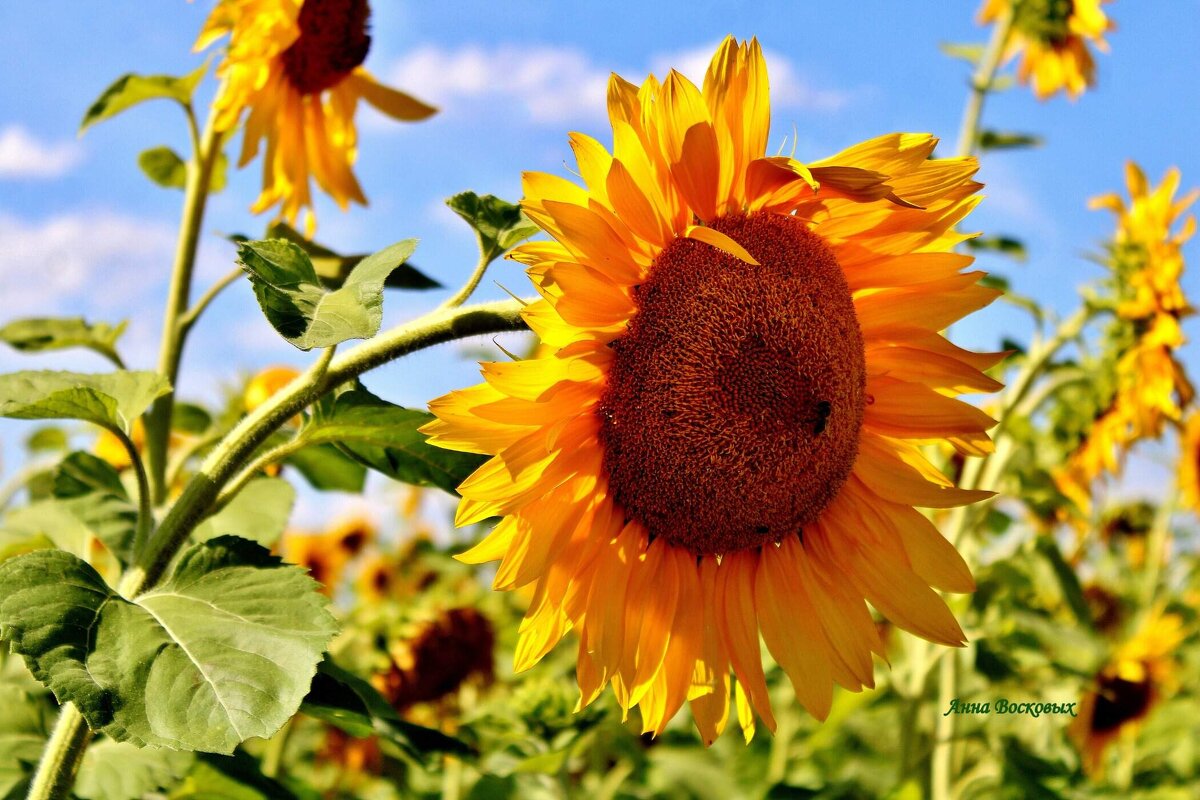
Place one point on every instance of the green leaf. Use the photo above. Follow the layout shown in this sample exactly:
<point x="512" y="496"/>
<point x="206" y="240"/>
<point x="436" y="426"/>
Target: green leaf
<point x="132" y="89"/>
<point x="971" y="53"/>
<point x="1004" y="245"/>
<point x="333" y="268"/>
<point x="166" y="168"/>
<point x="224" y="649"/>
<point x="341" y="698"/>
<point x="38" y="334"/>
<point x="1007" y="140"/>
<point x="191" y="419"/>
<point x="386" y="438"/>
<point x="1068" y="581"/>
<point x="327" y="468"/>
<point x="259" y="513"/>
<point x="119" y="771"/>
<point x="498" y="225"/>
<point x="113" y="400"/>
<point x="24" y="726"/>
<point x="46" y="519"/>
<point x="90" y="489"/>
<point x="301" y="309"/>
<point x="236" y="777"/>
<point x="48" y="439"/>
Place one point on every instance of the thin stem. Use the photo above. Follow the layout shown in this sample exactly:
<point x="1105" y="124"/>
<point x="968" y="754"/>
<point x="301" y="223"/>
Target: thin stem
<point x="145" y="519"/>
<point x="228" y="457"/>
<point x="981" y="84"/>
<point x="472" y="283"/>
<point x="1157" y="542"/>
<point x="272" y="761"/>
<point x="272" y="456"/>
<point x="941" y="769"/>
<point x="60" y="760"/>
<point x="188" y="319"/>
<point x="158" y="419"/>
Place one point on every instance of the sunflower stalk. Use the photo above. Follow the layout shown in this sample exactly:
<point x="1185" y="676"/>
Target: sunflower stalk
<point x="206" y="153"/>
<point x="982" y="82"/>
<point x="61" y="757"/>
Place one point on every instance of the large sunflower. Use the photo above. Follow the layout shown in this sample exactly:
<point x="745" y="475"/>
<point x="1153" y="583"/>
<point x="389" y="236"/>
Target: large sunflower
<point x="1052" y="37"/>
<point x="724" y="436"/>
<point x="296" y="65"/>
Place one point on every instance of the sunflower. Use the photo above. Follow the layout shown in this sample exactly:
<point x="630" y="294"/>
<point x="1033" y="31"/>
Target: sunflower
<point x="296" y="66"/>
<point x="1053" y="37"/>
<point x="1152" y="385"/>
<point x="1127" y="688"/>
<point x="723" y="436"/>
<point x="1189" y="464"/>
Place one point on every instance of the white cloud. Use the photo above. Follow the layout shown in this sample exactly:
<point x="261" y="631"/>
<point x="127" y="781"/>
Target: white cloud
<point x="553" y="85"/>
<point x="81" y="262"/>
<point x="23" y="156"/>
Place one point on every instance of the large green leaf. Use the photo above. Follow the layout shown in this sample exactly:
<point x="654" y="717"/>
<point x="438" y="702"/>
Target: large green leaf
<point x="120" y="771"/>
<point x="327" y="468"/>
<point x="166" y="168"/>
<point x="498" y="225"/>
<point x="36" y="334"/>
<point x="113" y="400"/>
<point x="222" y="650"/>
<point x="259" y="512"/>
<point x="302" y="310"/>
<point x="131" y="89"/>
<point x="49" y="520"/>
<point x="386" y="437"/>
<point x="333" y="268"/>
<point x="341" y="698"/>
<point x="91" y="490"/>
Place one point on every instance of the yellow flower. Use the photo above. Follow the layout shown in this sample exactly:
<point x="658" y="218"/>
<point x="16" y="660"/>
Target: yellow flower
<point x="1152" y="386"/>
<point x="325" y="564"/>
<point x="1052" y="37"/>
<point x="265" y="384"/>
<point x="351" y="536"/>
<point x="295" y="66"/>
<point x="1127" y="688"/>
<point x="1189" y="463"/>
<point x="724" y="435"/>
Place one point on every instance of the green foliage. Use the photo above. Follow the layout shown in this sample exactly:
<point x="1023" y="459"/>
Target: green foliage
<point x="259" y="512"/>
<point x="301" y="309"/>
<point x="222" y="650"/>
<point x="329" y="469"/>
<point x="1005" y="245"/>
<point x="48" y="439"/>
<point x="113" y="400"/>
<point x="345" y="700"/>
<point x="1007" y="140"/>
<point x="333" y="268"/>
<point x="90" y="489"/>
<point x="166" y="168"/>
<point x="120" y="771"/>
<point x="24" y="726"/>
<point x="498" y="225"/>
<point x="387" y="438"/>
<point x="971" y="53"/>
<point x="235" y="777"/>
<point x="131" y="89"/>
<point x="38" y="334"/>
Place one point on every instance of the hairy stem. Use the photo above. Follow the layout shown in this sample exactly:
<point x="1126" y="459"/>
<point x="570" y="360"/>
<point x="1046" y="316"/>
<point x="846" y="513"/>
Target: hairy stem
<point x="158" y="418"/>
<point x="981" y="84"/>
<point x="60" y="760"/>
<point x="145" y="518"/>
<point x="188" y="319"/>
<point x="468" y="288"/>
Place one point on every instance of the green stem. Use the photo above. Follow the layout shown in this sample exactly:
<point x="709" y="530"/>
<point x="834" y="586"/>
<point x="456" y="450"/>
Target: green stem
<point x="158" y="418"/>
<point x="472" y="283"/>
<point x="60" y="760"/>
<point x="981" y="84"/>
<point x="188" y="319"/>
<point x="228" y="457"/>
<point x="272" y="760"/>
<point x="1156" y="544"/>
<point x="145" y="519"/>
<point x="272" y="456"/>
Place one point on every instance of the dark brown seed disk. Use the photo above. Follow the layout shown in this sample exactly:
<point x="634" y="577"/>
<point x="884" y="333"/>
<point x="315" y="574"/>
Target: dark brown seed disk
<point x="1118" y="701"/>
<point x="732" y="410"/>
<point x="333" y="41"/>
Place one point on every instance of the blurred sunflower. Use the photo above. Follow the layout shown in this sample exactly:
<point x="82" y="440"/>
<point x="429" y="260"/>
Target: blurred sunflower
<point x="295" y="66"/>
<point x="1189" y="464"/>
<point x="1152" y="386"/>
<point x="324" y="563"/>
<point x="265" y="384"/>
<point x="723" y="436"/>
<point x="1127" y="688"/>
<point x="1052" y="37"/>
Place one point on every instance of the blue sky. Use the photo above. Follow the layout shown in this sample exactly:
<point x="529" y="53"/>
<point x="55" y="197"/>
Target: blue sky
<point x="83" y="232"/>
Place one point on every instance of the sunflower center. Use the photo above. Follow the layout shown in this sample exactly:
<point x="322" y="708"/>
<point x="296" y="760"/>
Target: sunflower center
<point x="333" y="41"/>
<point x="733" y="406"/>
<point x="1046" y="20"/>
<point x="1118" y="701"/>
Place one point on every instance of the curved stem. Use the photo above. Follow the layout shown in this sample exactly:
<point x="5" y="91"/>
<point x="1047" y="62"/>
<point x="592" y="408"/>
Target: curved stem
<point x="981" y="84"/>
<point x="145" y="519"/>
<point x="227" y="458"/>
<point x="158" y="418"/>
<point x="272" y="456"/>
<point x="189" y="318"/>
<point x="61" y="758"/>
<point x="468" y="288"/>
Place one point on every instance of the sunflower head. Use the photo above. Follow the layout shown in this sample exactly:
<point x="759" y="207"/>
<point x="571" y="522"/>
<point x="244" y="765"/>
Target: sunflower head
<point x="265" y="384"/>
<point x="1189" y="463"/>
<point x="1052" y="37"/>
<point x="720" y="434"/>
<point x="294" y="69"/>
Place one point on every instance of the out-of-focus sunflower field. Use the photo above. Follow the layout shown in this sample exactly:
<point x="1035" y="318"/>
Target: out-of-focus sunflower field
<point x="837" y="438"/>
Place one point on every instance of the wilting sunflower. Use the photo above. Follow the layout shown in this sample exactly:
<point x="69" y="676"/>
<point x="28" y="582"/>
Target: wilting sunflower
<point x="1146" y="255"/>
<point x="724" y="437"/>
<point x="296" y="66"/>
<point x="1052" y="37"/>
<point x="1127" y="688"/>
